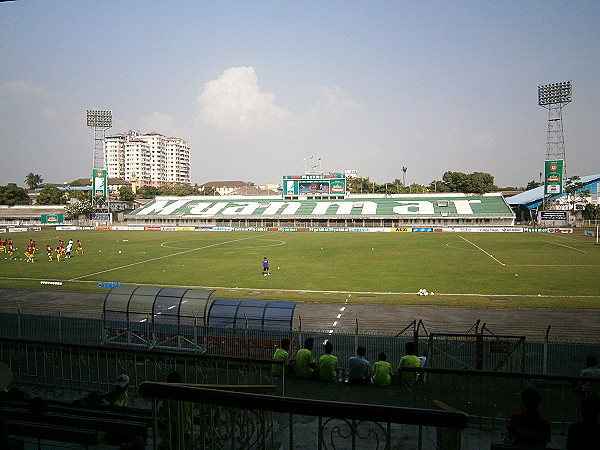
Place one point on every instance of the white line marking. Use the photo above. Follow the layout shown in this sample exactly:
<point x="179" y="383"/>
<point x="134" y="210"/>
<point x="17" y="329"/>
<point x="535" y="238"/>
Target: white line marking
<point x="563" y="245"/>
<point x="342" y="308"/>
<point x="490" y="255"/>
<point x="338" y="316"/>
<point x="165" y="256"/>
<point x="335" y="324"/>
<point x="276" y="244"/>
<point x="410" y="294"/>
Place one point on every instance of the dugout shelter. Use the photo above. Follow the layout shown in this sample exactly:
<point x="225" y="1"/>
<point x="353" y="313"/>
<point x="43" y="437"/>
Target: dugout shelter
<point x="165" y="317"/>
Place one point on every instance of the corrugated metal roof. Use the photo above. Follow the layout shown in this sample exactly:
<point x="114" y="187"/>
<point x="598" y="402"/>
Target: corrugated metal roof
<point x="535" y="196"/>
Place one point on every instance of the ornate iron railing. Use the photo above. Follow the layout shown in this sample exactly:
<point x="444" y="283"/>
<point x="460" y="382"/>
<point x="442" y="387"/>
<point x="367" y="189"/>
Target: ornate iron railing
<point x="252" y="421"/>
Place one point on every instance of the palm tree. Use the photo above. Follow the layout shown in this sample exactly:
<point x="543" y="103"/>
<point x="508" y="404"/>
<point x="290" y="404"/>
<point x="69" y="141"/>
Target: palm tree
<point x="33" y="181"/>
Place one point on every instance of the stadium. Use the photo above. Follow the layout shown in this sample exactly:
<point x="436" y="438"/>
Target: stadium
<point x="185" y="293"/>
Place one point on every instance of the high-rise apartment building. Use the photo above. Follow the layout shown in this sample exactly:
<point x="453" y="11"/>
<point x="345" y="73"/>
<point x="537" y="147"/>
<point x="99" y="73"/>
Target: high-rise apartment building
<point x="152" y="158"/>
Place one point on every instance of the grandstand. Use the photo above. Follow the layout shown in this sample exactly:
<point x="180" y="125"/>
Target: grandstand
<point x="526" y="204"/>
<point x="352" y="212"/>
<point x="30" y="215"/>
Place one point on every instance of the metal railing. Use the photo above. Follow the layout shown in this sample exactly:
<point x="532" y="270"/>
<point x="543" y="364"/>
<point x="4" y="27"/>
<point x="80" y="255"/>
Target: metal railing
<point x="83" y="368"/>
<point x="490" y="397"/>
<point x="544" y="356"/>
<point x="240" y="420"/>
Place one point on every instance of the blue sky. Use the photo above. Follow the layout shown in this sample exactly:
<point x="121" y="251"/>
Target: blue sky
<point x="255" y="87"/>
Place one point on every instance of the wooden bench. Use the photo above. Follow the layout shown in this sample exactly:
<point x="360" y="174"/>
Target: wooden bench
<point x="74" y="424"/>
<point x="56" y="433"/>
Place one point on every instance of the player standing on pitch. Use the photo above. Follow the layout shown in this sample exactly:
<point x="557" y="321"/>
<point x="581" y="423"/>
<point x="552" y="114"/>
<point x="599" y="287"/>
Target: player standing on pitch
<point x="265" y="266"/>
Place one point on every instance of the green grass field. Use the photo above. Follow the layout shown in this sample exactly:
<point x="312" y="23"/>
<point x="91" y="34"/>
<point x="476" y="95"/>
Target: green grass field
<point x="481" y="269"/>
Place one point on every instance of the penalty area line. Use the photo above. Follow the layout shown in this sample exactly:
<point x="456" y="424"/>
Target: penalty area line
<point x="163" y="257"/>
<point x="479" y="248"/>
<point x="567" y="246"/>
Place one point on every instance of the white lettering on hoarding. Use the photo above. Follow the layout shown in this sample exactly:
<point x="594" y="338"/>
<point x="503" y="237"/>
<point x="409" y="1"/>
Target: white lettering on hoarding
<point x="322" y="207"/>
<point x="413" y="207"/>
<point x="464" y="206"/>
<point x="204" y="209"/>
<point x="274" y="207"/>
<point x="243" y="208"/>
<point x="369" y="208"/>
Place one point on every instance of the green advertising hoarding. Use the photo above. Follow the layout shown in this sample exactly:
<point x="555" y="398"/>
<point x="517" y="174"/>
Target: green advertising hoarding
<point x="52" y="218"/>
<point x="553" y="177"/>
<point x="99" y="187"/>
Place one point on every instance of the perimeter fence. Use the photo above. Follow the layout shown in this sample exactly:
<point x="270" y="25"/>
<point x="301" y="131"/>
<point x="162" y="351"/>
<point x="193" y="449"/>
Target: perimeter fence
<point x="473" y="350"/>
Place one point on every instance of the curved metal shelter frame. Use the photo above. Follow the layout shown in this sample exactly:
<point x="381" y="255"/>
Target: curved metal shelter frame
<point x="158" y="305"/>
<point x="267" y="315"/>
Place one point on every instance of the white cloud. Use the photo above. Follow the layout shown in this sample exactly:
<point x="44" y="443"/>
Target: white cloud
<point x="332" y="105"/>
<point x="159" y="122"/>
<point x="23" y="87"/>
<point x="235" y="102"/>
<point x="333" y="99"/>
<point x="164" y="124"/>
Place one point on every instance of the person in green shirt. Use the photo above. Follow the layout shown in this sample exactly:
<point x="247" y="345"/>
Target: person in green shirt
<point x="117" y="396"/>
<point x="409" y="360"/>
<point x="305" y="361"/>
<point x="174" y="417"/>
<point x="328" y="364"/>
<point x="282" y="353"/>
<point x="382" y="371"/>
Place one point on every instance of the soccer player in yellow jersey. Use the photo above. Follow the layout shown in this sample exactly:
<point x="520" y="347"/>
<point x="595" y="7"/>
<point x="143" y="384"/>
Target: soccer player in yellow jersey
<point x="29" y="254"/>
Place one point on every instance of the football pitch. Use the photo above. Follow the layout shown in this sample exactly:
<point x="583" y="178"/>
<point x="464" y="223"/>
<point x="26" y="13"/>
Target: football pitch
<point x="526" y="270"/>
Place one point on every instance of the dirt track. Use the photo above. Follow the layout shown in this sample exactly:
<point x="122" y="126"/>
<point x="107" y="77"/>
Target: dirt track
<point x="532" y="323"/>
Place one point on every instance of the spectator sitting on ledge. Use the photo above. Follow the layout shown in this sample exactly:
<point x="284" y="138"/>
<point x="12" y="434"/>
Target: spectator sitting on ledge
<point x="305" y="361"/>
<point x="359" y="367"/>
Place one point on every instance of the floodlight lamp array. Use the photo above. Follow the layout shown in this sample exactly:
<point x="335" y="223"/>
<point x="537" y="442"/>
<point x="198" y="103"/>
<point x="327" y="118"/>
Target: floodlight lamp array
<point x="98" y="118"/>
<point x="555" y="93"/>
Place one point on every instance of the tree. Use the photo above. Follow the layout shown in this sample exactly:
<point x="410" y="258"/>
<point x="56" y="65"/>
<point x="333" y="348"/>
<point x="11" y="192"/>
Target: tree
<point x="576" y="194"/>
<point x="182" y="190"/>
<point x="51" y="196"/>
<point x="126" y="194"/>
<point x="591" y="212"/>
<point x="11" y="195"/>
<point x="532" y="185"/>
<point x="438" y="186"/>
<point x="148" y="191"/>
<point x="33" y="181"/>
<point x="78" y="208"/>
<point x="474" y="183"/>
<point x="358" y="185"/>
<point x="208" y="190"/>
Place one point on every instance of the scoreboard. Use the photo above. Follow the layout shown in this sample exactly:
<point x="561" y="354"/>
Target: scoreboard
<point x="315" y="185"/>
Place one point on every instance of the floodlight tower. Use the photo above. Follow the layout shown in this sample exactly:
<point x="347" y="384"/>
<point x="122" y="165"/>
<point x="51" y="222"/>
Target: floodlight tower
<point x="100" y="121"/>
<point x="553" y="97"/>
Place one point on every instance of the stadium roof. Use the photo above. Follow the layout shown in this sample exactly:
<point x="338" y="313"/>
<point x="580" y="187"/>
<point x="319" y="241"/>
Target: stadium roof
<point x="411" y="206"/>
<point x="533" y="198"/>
